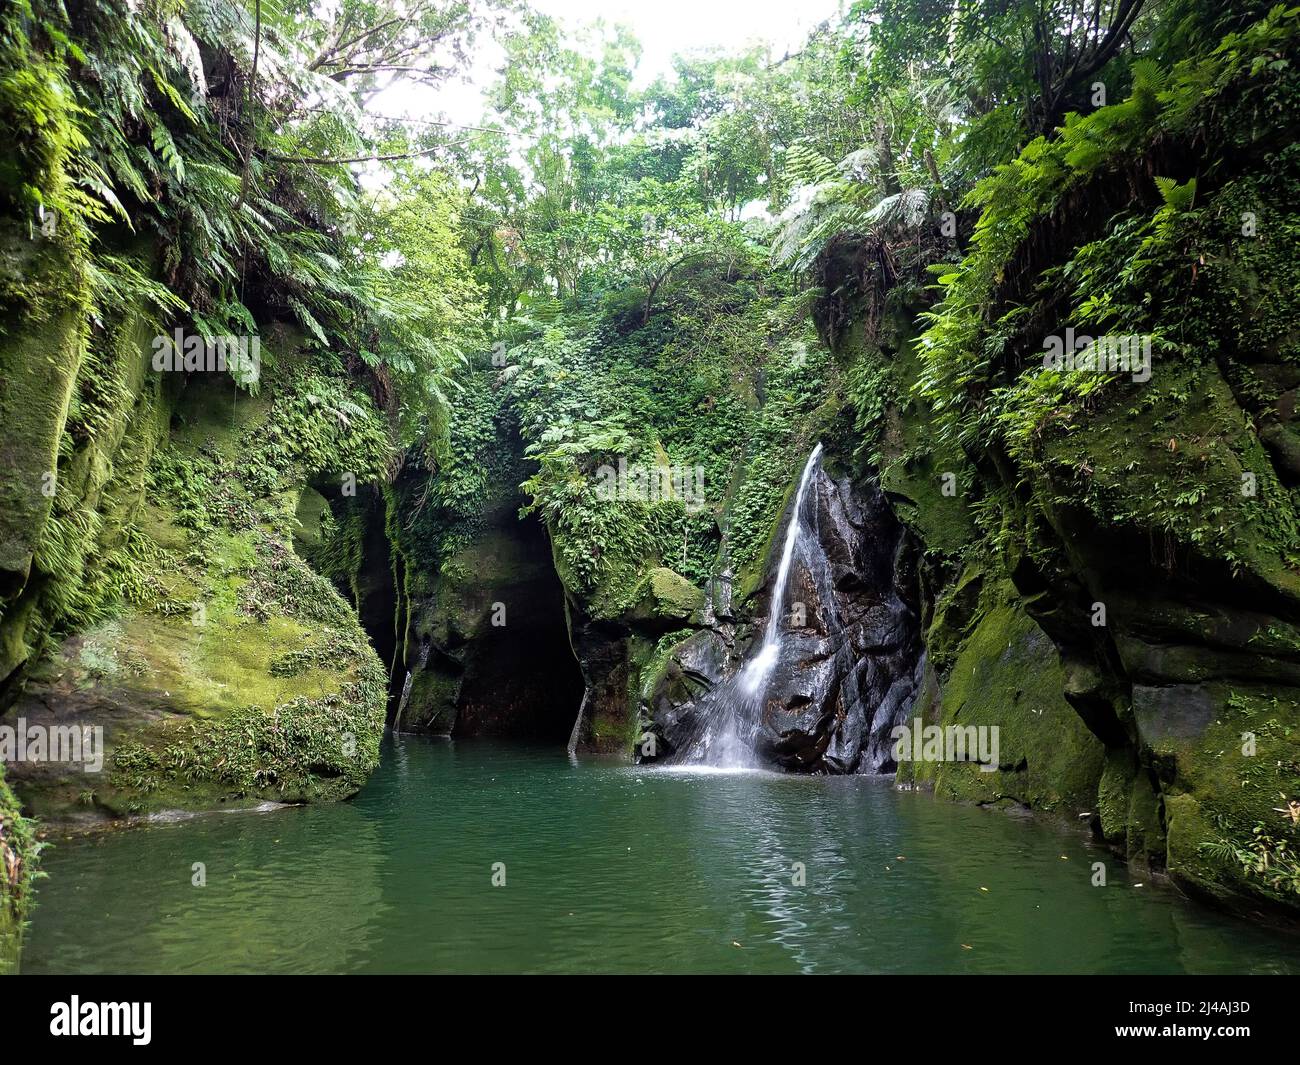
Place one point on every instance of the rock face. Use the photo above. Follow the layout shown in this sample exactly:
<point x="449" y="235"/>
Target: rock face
<point x="230" y="672"/>
<point x="1117" y="591"/>
<point x="159" y="600"/>
<point x="846" y="666"/>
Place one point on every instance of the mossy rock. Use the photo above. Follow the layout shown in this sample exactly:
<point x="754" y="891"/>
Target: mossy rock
<point x="1113" y="794"/>
<point x="927" y="478"/>
<point x="310" y="510"/>
<point x="667" y="598"/>
<point x="220" y="667"/>
<point x="930" y="499"/>
<point x="75" y="429"/>
<point x="1168" y="467"/>
<point x="955" y="611"/>
<point x="754" y="573"/>
<point x="237" y="709"/>
<point x="1228" y="786"/>
<point x="1008" y="675"/>
<point x="40" y="356"/>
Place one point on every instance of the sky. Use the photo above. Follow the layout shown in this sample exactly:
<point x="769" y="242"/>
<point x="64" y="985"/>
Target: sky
<point x="664" y="28"/>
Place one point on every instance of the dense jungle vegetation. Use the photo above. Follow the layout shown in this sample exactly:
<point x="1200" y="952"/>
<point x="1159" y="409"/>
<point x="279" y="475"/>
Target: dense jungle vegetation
<point x="861" y="242"/>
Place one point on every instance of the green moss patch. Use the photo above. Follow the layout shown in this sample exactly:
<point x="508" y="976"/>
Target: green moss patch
<point x="1007" y="675"/>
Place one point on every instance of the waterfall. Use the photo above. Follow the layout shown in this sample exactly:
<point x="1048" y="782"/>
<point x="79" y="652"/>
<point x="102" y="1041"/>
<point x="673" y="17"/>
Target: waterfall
<point x="395" y="725"/>
<point x="576" y="734"/>
<point x="729" y="722"/>
<point x="817" y="692"/>
<point x="837" y="662"/>
<point x="753" y="678"/>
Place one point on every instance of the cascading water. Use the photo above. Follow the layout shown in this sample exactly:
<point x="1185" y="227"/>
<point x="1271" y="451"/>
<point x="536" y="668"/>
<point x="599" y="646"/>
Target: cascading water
<point x="726" y="736"/>
<point x="395" y="724"/>
<point x="753" y="678"/>
<point x="839" y="660"/>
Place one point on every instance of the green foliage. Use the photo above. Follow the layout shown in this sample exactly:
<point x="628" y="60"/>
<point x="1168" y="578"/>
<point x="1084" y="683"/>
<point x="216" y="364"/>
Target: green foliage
<point x="871" y="388"/>
<point x="422" y="307"/>
<point x="47" y="167"/>
<point x="214" y="129"/>
<point x="19" y="858"/>
<point x="861" y="195"/>
<point x="1271" y="859"/>
<point x="801" y="397"/>
<point x="964" y="357"/>
<point x="1018" y="68"/>
<point x="279" y="584"/>
<point x="690" y="391"/>
<point x="320" y="425"/>
<point x="325" y="653"/>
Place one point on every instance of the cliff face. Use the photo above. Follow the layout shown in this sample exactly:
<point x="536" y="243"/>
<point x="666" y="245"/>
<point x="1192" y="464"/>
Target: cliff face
<point x="219" y="666"/>
<point x="1110" y="559"/>
<point x="151" y="599"/>
<point x="1146" y="684"/>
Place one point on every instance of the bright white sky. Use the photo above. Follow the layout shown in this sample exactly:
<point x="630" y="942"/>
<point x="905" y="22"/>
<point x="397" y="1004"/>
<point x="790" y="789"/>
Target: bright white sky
<point x="664" y="28"/>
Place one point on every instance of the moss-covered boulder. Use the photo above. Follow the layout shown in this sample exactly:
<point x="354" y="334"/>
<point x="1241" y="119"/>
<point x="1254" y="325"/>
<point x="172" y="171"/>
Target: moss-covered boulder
<point x="667" y="599"/>
<point x="166" y="609"/>
<point x="200" y="709"/>
<point x="1006" y="675"/>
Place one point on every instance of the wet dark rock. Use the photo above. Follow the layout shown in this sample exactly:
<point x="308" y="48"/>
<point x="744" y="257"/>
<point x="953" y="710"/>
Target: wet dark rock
<point x="1178" y="712"/>
<point x="698" y="665"/>
<point x="847" y="667"/>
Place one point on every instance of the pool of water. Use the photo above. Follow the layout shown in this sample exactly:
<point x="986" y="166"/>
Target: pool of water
<point x="613" y="868"/>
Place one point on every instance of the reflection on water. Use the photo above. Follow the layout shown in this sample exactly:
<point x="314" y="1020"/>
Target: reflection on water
<point x="615" y="868"/>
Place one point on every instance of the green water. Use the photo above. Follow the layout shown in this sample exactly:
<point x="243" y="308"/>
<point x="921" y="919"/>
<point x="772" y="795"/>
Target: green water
<point x="613" y="868"/>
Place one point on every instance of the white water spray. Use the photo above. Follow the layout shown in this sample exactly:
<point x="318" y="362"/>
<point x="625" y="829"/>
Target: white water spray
<point x="728" y="742"/>
<point x="753" y="678"/>
<point x="725" y="731"/>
